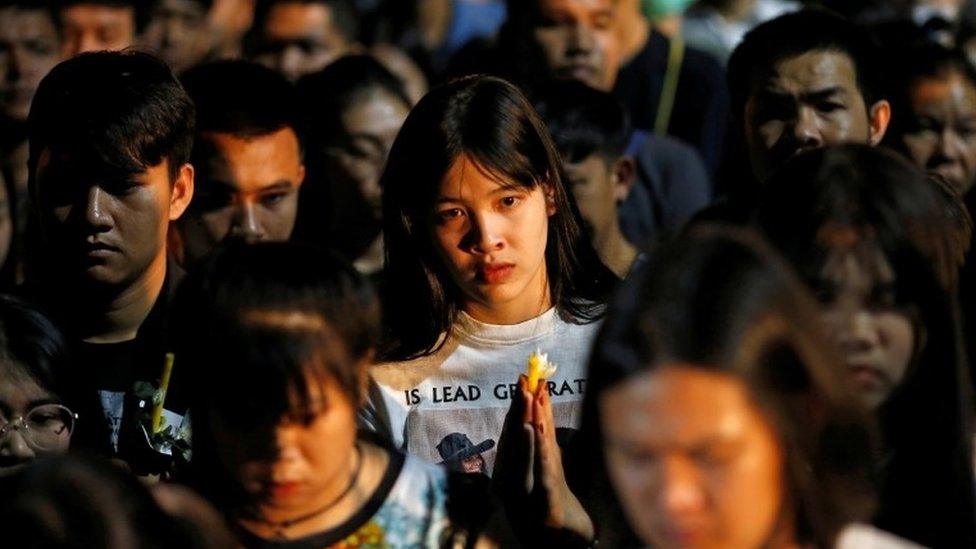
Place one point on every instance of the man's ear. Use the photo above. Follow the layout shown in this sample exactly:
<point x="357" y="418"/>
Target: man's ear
<point x="624" y="175"/>
<point x="182" y="192"/>
<point x="301" y="175"/>
<point x="880" y="117"/>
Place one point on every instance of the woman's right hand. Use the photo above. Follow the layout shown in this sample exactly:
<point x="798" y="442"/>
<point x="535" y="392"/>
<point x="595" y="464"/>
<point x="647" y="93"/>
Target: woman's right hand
<point x="529" y="476"/>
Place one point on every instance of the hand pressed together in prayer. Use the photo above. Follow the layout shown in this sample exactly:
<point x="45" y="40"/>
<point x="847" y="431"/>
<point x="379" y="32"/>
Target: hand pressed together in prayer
<point x="529" y="477"/>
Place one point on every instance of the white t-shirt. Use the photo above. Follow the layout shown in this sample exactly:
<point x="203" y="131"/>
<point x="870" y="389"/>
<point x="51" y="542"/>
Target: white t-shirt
<point x="449" y="407"/>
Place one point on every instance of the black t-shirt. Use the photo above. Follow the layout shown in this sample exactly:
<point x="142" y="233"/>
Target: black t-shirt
<point x="112" y="384"/>
<point x="701" y="103"/>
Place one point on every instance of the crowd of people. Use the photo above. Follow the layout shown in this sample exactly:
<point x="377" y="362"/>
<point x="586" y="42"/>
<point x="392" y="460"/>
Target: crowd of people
<point x="482" y="273"/>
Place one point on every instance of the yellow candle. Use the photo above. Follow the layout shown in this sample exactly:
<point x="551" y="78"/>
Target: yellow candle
<point x="160" y="397"/>
<point x="539" y="367"/>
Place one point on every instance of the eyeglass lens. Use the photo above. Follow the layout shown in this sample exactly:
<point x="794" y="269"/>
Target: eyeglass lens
<point x="48" y="427"/>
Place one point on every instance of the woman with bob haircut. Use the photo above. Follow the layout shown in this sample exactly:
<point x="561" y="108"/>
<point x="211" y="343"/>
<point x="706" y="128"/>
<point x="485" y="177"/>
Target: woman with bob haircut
<point x="485" y="264"/>
<point x="715" y="416"/>
<point x="868" y="233"/>
<point x="276" y="340"/>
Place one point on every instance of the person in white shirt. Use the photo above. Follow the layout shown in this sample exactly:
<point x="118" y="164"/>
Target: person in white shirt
<point x="485" y="263"/>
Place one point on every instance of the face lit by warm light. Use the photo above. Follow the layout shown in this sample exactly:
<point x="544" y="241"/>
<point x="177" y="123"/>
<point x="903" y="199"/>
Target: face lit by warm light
<point x="293" y="465"/>
<point x="872" y="330"/>
<point x="28" y="50"/>
<point x="108" y="228"/>
<point x="491" y="236"/>
<point x="808" y="101"/>
<point x="692" y="459"/>
<point x="941" y="135"/>
<point x="578" y="40"/>
<point x="300" y="38"/>
<point x="96" y="27"/>
<point x="248" y="189"/>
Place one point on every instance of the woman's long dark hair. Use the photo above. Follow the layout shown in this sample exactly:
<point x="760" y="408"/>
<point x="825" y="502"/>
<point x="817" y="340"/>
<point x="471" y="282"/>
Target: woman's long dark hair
<point x="491" y="121"/>
<point x="718" y="299"/>
<point x="928" y="490"/>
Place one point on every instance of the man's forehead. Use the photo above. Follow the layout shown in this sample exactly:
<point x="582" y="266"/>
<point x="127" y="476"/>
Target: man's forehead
<point x="576" y="6"/>
<point x="18" y="22"/>
<point x="811" y="71"/>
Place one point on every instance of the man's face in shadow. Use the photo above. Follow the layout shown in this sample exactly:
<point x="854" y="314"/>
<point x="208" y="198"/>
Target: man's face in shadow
<point x="806" y="102"/>
<point x="106" y="227"/>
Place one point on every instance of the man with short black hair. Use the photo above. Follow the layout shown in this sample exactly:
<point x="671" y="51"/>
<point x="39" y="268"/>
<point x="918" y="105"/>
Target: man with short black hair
<point x="802" y="81"/>
<point x="110" y="136"/>
<point x="248" y="155"/>
<point x="299" y="37"/>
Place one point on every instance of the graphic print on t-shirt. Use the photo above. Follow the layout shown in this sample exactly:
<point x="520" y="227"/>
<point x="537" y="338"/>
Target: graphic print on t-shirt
<point x="449" y="407"/>
<point x="113" y="403"/>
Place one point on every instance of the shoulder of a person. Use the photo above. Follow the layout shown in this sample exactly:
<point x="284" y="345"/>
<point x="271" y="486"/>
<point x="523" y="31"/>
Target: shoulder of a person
<point x="661" y="149"/>
<point x="414" y="367"/>
<point x="863" y="536"/>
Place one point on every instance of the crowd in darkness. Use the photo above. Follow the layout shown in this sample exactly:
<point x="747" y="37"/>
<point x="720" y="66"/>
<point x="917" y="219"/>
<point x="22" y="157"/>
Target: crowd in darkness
<point x="301" y="274"/>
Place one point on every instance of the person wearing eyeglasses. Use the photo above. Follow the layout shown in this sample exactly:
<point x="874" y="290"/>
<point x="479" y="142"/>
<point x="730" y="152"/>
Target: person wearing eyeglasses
<point x="34" y="421"/>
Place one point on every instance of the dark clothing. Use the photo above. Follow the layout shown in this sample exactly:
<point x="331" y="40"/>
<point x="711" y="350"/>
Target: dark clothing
<point x="701" y="104"/>
<point x="111" y="372"/>
<point x="672" y="185"/>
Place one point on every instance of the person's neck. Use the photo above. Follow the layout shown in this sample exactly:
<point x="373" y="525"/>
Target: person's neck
<point x="338" y="502"/>
<point x="669" y="26"/>
<point x="535" y="301"/>
<point x="633" y="32"/>
<point x="120" y="320"/>
<point x="734" y="12"/>
<point x="615" y="250"/>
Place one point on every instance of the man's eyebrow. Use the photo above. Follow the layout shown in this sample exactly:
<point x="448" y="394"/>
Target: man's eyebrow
<point x="823" y="94"/>
<point x="280" y="185"/>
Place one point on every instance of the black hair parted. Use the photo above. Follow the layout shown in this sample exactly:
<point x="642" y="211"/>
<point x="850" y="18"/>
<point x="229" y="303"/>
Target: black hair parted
<point x="491" y="121"/>
<point x="242" y="98"/>
<point x="327" y="94"/>
<point x="582" y="120"/>
<point x="797" y="33"/>
<point x="344" y="15"/>
<point x="124" y="111"/>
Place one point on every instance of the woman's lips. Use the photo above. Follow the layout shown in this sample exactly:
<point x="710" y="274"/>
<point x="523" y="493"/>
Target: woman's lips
<point x="284" y="489"/>
<point x="495" y="273"/>
<point x="866" y="375"/>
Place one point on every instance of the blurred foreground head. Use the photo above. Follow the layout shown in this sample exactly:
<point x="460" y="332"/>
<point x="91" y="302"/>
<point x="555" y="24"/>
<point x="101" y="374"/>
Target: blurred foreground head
<point x="716" y="411"/>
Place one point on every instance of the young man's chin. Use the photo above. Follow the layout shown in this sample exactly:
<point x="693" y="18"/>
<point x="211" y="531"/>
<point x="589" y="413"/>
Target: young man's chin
<point x="104" y="276"/>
